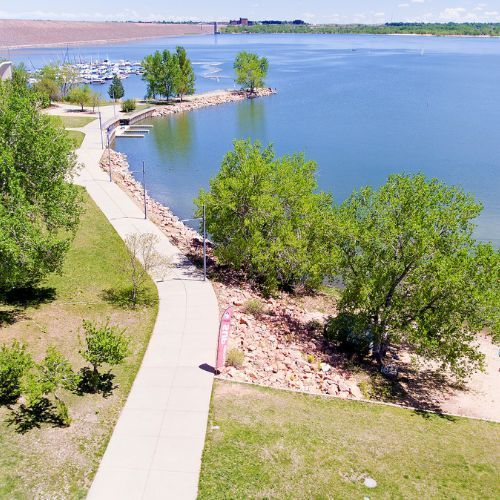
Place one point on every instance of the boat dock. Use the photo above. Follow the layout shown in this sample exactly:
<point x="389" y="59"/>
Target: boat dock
<point x="124" y="126"/>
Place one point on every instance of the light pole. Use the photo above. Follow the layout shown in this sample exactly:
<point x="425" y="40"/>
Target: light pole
<point x="204" y="240"/>
<point x="109" y="155"/>
<point x="144" y="195"/>
<point x="100" y="123"/>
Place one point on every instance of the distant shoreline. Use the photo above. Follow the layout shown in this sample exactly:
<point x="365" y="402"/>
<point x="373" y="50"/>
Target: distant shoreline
<point x="365" y="34"/>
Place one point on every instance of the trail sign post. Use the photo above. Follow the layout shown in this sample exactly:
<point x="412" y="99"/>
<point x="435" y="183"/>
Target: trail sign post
<point x="225" y="326"/>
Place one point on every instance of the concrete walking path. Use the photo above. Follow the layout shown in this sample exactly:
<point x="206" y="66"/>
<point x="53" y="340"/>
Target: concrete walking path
<point x="156" y="447"/>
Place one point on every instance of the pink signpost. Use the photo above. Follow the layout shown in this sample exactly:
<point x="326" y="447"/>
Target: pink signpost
<point x="225" y="326"/>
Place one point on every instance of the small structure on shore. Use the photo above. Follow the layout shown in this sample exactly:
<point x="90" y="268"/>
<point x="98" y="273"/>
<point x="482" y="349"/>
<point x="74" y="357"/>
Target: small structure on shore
<point x="5" y="70"/>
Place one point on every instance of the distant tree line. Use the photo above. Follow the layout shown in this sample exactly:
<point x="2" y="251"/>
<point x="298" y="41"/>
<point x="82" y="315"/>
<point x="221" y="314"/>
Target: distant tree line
<point x="443" y="29"/>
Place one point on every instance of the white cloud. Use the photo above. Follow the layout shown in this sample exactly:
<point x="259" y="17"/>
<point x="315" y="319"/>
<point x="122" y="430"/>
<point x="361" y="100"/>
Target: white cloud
<point x="402" y="5"/>
<point x="418" y="1"/>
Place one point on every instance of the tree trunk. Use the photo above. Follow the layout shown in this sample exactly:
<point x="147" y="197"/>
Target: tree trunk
<point x="380" y="346"/>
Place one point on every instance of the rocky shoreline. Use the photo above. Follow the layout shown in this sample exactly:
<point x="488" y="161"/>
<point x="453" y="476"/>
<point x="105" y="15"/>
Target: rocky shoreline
<point x="282" y="345"/>
<point x="198" y="101"/>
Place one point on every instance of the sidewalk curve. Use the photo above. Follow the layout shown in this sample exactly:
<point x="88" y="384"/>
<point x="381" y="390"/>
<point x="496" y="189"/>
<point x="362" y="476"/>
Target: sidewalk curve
<point x="156" y="447"/>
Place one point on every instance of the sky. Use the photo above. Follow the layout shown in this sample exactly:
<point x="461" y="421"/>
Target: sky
<point x="313" y="11"/>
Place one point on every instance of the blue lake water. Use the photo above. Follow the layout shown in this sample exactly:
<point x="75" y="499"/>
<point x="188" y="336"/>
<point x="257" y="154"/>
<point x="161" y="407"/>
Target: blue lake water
<point x="361" y="106"/>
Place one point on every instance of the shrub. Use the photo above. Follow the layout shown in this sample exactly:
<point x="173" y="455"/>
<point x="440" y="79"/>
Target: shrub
<point x="103" y="344"/>
<point x="143" y="258"/>
<point x="128" y="105"/>
<point x="14" y="360"/>
<point x="254" y="307"/>
<point x="49" y="378"/>
<point x="235" y="357"/>
<point x="350" y="332"/>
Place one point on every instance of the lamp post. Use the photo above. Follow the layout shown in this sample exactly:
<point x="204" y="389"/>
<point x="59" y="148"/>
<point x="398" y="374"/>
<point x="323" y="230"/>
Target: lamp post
<point x="144" y="195"/>
<point x="100" y="123"/>
<point x="203" y="218"/>
<point x="109" y="155"/>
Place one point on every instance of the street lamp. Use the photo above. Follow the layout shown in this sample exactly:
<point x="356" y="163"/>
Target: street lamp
<point x="109" y="155"/>
<point x="100" y="123"/>
<point x="143" y="188"/>
<point x="204" y="218"/>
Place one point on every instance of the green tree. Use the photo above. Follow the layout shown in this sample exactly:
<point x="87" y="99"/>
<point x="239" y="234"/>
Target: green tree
<point x="104" y="344"/>
<point x="116" y="90"/>
<point x="251" y="70"/>
<point x="266" y="217"/>
<point x="414" y="273"/>
<point x="56" y="81"/>
<point x="52" y="376"/>
<point x="39" y="207"/>
<point x="186" y="76"/>
<point x="94" y="100"/>
<point x="162" y="74"/>
<point x="81" y="96"/>
<point x="14" y="361"/>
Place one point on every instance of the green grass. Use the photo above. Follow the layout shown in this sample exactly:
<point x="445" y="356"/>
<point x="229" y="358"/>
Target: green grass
<point x="73" y="121"/>
<point x="53" y="462"/>
<point x="77" y="137"/>
<point x="276" y="444"/>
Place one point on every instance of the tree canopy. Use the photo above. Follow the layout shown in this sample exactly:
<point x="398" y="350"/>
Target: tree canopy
<point x="251" y="70"/>
<point x="266" y="217"/>
<point x="413" y="272"/>
<point x="168" y="74"/>
<point x="185" y="84"/>
<point x="80" y="95"/>
<point x="116" y="90"/>
<point x="39" y="208"/>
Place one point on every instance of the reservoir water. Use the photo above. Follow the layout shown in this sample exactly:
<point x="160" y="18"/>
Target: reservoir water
<point x="361" y="106"/>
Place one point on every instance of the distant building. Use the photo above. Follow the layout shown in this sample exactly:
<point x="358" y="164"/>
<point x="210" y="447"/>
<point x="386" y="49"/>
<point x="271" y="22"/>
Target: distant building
<point x="5" y="70"/>
<point x="242" y="21"/>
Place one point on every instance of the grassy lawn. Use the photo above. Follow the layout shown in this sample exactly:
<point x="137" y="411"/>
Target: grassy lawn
<point x="73" y="121"/>
<point x="77" y="137"/>
<point x="55" y="462"/>
<point x="276" y="444"/>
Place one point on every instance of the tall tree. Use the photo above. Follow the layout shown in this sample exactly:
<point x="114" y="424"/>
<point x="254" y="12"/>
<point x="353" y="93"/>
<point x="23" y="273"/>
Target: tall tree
<point x="266" y="217"/>
<point x="413" y="272"/>
<point x="39" y="207"/>
<point x="251" y="70"/>
<point x="186" y="77"/>
<point x="162" y="74"/>
<point x="116" y="90"/>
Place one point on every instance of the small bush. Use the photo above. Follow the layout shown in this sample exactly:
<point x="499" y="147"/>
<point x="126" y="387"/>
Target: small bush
<point x="254" y="307"/>
<point x="350" y="333"/>
<point x="14" y="361"/>
<point x="103" y="344"/>
<point x="53" y="375"/>
<point x="235" y="358"/>
<point x="128" y="105"/>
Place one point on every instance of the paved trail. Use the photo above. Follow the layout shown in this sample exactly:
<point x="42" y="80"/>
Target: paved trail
<point x="155" y="450"/>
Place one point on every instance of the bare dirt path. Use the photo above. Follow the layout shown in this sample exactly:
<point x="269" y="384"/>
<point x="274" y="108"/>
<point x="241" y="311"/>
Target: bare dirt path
<point x="481" y="397"/>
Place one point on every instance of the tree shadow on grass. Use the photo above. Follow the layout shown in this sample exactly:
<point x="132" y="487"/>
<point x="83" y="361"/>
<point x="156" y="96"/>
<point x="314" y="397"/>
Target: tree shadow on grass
<point x="15" y="302"/>
<point x="10" y="316"/>
<point x="122" y="297"/>
<point x="95" y="383"/>
<point x="26" y="418"/>
<point x="28" y="297"/>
